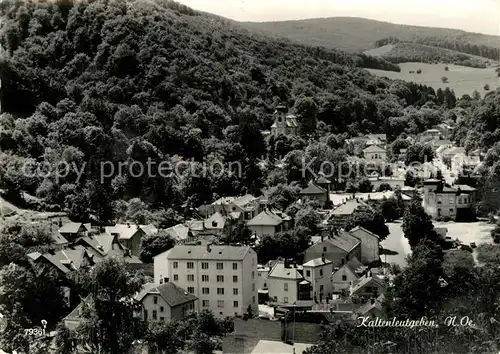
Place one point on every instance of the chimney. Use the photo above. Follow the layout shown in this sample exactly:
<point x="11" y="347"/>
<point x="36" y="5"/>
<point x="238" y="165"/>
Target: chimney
<point x="286" y="263"/>
<point x="128" y="224"/>
<point x="208" y="247"/>
<point x="342" y="261"/>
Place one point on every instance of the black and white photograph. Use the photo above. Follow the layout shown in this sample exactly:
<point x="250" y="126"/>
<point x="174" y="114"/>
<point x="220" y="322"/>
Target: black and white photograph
<point x="249" y="177"/>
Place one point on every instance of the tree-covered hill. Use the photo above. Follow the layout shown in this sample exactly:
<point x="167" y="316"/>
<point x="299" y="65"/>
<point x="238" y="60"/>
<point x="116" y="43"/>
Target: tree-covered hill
<point x="134" y="80"/>
<point x="356" y="35"/>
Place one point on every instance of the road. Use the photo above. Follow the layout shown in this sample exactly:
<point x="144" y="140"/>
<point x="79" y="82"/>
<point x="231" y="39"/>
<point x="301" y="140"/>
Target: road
<point x="396" y="242"/>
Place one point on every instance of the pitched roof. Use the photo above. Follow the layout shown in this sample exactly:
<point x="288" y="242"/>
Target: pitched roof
<point x="227" y="253"/>
<point x="363" y="230"/>
<point x="344" y="241"/>
<point x="149" y="229"/>
<point x="316" y="262"/>
<point x="101" y="243"/>
<point x="323" y="180"/>
<point x="348" y="207"/>
<point x="374" y="148"/>
<point x="72" y="227"/>
<point x="124" y="231"/>
<point x="368" y="306"/>
<point x="65" y="260"/>
<point x="312" y="189"/>
<point x="171" y="293"/>
<point x="290" y="121"/>
<point x="58" y="239"/>
<point x="242" y="201"/>
<point x="279" y="271"/>
<point x="195" y="225"/>
<point x="355" y="265"/>
<point x="365" y="281"/>
<point x="178" y="232"/>
<point x="464" y="188"/>
<point x="267" y="218"/>
<point x="216" y="221"/>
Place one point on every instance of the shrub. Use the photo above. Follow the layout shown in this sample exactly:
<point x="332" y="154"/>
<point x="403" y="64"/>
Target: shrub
<point x="444" y="79"/>
<point x="419" y="71"/>
<point x="446" y="68"/>
<point x="488" y="253"/>
<point x="486" y="87"/>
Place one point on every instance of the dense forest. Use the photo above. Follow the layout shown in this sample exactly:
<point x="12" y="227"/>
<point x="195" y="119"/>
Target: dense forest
<point x="403" y="52"/>
<point x="131" y="81"/>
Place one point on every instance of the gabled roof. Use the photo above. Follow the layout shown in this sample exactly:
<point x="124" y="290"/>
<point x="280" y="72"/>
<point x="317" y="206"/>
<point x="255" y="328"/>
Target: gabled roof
<point x="374" y="148"/>
<point x="348" y="207"/>
<point x="101" y="243"/>
<point x="227" y="253"/>
<point x="149" y="229"/>
<point x="72" y="227"/>
<point x="65" y="260"/>
<point x="316" y="262"/>
<point x="216" y="221"/>
<point x="369" y="306"/>
<point x="171" y="293"/>
<point x="290" y="121"/>
<point x="279" y="271"/>
<point x="344" y="241"/>
<point x="363" y="230"/>
<point x="365" y="281"/>
<point x="58" y="239"/>
<point x="312" y="189"/>
<point x="124" y="231"/>
<point x="464" y="188"/>
<point x="355" y="265"/>
<point x="178" y="232"/>
<point x="195" y="225"/>
<point x="242" y="201"/>
<point x="266" y="218"/>
<point x="323" y="180"/>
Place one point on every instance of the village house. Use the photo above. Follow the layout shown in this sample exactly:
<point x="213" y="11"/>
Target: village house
<point x="318" y="272"/>
<point x="373" y="308"/>
<point x="348" y="272"/>
<point x="72" y="230"/>
<point x="164" y="303"/>
<point x="262" y="288"/>
<point x="179" y="232"/>
<point x="129" y="235"/>
<point x="442" y="200"/>
<point x="430" y="134"/>
<point x="445" y="130"/>
<point x="369" y="245"/>
<point x="223" y="278"/>
<point x="339" y="215"/>
<point x="286" y="284"/>
<point x="376" y="139"/>
<point x="64" y="261"/>
<point x="245" y="207"/>
<point x="368" y="286"/>
<point x="314" y="192"/>
<point x="284" y="123"/>
<point x="375" y="152"/>
<point x="337" y="247"/>
<point x="269" y="222"/>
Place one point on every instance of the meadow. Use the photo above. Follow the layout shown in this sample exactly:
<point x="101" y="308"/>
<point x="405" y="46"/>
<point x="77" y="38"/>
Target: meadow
<point x="463" y="80"/>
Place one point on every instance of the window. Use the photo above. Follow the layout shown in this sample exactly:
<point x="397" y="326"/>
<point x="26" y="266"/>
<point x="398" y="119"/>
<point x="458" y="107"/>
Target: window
<point x="154" y="314"/>
<point x="162" y="319"/>
<point x="190" y="290"/>
<point x="235" y="278"/>
<point x="205" y="291"/>
<point x="253" y="299"/>
<point x="452" y="211"/>
<point x="176" y="277"/>
<point x="235" y="266"/>
<point x="253" y="274"/>
<point x="235" y="304"/>
<point x="308" y="273"/>
<point x="253" y="287"/>
<point x="204" y="278"/>
<point x="220" y="265"/>
<point x="321" y="272"/>
<point x="368" y="289"/>
<point x="285" y="300"/>
<point x="190" y="277"/>
<point x="145" y="315"/>
<point x="235" y="291"/>
<point x="190" y="265"/>
<point x="452" y="200"/>
<point x="220" y="303"/>
<point x="459" y="201"/>
<point x="285" y="286"/>
<point x="220" y="291"/>
<point x="204" y="265"/>
<point x="176" y="265"/>
<point x="161" y="308"/>
<point x="344" y="277"/>
<point x="155" y="300"/>
<point x="220" y="279"/>
<point x="324" y="249"/>
<point x="321" y="288"/>
<point x="440" y="200"/>
<point x="205" y="303"/>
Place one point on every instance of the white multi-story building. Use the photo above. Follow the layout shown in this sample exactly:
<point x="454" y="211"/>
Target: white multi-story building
<point x="223" y="278"/>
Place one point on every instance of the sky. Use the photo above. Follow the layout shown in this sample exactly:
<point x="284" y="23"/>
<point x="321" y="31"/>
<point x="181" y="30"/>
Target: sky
<point x="470" y="15"/>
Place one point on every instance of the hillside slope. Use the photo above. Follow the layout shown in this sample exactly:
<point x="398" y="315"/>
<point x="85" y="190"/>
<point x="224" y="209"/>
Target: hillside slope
<point x="354" y="34"/>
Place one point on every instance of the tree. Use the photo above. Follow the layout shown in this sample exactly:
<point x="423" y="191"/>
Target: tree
<point x="365" y="186"/>
<point x="108" y="324"/>
<point x="237" y="232"/>
<point x="444" y="79"/>
<point x="384" y="187"/>
<point x="306" y="109"/>
<point x="155" y="244"/>
<point x="390" y="209"/>
<point x="371" y="220"/>
<point x="308" y="218"/>
<point x="446" y="68"/>
<point x="486" y="87"/>
<point x="417" y="224"/>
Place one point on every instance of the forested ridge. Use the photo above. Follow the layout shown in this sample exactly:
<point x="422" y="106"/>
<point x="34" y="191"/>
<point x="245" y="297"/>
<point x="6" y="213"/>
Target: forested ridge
<point x="117" y="80"/>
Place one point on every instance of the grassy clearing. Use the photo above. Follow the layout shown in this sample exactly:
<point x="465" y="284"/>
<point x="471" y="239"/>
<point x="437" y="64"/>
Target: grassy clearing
<point x="488" y="254"/>
<point x="463" y="80"/>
